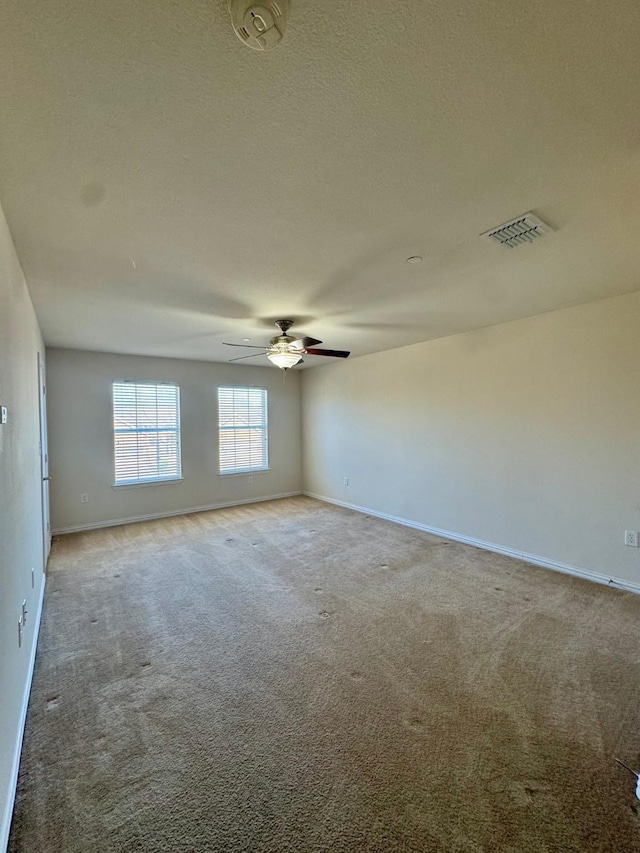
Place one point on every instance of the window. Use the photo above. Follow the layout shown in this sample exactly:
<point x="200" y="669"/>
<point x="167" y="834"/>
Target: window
<point x="146" y="432"/>
<point x="242" y="420"/>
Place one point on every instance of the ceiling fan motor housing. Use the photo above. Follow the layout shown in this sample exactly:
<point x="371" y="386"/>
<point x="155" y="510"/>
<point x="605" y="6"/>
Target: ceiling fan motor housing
<point x="283" y="340"/>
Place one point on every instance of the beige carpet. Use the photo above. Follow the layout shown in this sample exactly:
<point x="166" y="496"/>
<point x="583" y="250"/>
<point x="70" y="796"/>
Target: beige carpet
<point x="292" y="676"/>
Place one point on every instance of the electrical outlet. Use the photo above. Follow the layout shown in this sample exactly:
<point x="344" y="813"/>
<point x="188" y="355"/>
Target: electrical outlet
<point x="251" y="479"/>
<point x="84" y="498"/>
<point x="346" y="481"/>
<point x="3" y="415"/>
<point x="631" y="538"/>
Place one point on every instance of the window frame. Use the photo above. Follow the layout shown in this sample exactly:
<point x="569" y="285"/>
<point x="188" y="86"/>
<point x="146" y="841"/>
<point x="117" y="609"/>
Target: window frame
<point x="147" y="481"/>
<point x="264" y="426"/>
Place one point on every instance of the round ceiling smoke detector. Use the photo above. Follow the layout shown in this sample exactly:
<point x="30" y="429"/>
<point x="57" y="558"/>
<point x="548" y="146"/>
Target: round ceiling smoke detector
<point x="259" y="25"/>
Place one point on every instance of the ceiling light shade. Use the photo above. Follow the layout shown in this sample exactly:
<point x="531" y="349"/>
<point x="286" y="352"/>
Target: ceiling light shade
<point x="285" y="360"/>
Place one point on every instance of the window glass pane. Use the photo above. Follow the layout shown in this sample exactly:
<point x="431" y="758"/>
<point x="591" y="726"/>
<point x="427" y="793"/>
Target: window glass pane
<point x="242" y="420"/>
<point x="146" y="427"/>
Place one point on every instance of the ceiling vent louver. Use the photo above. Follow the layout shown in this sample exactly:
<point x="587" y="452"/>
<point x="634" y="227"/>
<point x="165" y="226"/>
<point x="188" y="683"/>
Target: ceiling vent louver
<point x="518" y="232"/>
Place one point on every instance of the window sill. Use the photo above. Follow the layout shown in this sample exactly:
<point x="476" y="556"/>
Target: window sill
<point x="144" y="483"/>
<point x="248" y="473"/>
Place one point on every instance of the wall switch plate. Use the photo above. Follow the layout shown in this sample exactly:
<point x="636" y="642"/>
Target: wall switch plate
<point x="631" y="538"/>
<point x="251" y="479"/>
<point x="24" y="611"/>
<point x="20" y="631"/>
<point x="84" y="498"/>
<point x="346" y="481"/>
<point x="3" y="414"/>
<point x="33" y="578"/>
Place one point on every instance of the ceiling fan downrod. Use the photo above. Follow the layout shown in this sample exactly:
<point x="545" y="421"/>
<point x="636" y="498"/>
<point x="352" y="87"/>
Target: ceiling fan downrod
<point x="283" y="325"/>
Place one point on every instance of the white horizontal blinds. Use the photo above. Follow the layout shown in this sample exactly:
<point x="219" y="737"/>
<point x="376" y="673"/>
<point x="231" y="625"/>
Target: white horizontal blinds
<point x="146" y="427"/>
<point x="242" y="418"/>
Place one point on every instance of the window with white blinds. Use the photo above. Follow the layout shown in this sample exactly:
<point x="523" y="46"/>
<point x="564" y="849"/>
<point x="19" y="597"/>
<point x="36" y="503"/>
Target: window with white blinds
<point x="146" y="432"/>
<point x="242" y="420"/>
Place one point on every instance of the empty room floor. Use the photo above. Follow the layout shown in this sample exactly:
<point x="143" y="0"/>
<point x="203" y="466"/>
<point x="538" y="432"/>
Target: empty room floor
<point x="293" y="676"/>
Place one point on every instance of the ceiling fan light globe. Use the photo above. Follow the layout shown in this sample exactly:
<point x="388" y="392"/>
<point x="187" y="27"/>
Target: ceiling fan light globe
<point x="285" y="360"/>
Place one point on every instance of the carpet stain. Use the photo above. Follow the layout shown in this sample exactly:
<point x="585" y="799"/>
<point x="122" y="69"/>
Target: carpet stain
<point x="416" y="724"/>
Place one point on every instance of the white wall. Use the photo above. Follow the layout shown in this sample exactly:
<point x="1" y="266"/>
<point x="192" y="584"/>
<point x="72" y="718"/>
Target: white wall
<point x="81" y="437"/>
<point x="524" y="435"/>
<point x="21" y="536"/>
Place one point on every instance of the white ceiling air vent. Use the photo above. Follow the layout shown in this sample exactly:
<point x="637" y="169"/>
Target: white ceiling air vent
<point x="518" y="232"/>
<point x="260" y="24"/>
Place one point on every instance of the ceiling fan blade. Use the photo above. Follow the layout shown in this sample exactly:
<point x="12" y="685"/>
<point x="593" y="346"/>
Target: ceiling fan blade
<point x="335" y="353"/>
<point x="246" y="346"/>
<point x="253" y="355"/>
<point x="303" y="343"/>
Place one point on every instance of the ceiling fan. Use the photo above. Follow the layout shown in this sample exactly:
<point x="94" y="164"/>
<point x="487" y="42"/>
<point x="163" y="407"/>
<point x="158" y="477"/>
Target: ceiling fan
<point x="285" y="350"/>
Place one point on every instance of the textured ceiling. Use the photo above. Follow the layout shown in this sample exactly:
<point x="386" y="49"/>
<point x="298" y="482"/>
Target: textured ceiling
<point x="168" y="189"/>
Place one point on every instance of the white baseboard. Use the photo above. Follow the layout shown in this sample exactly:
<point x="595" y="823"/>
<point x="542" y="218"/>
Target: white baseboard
<point x="114" y="522"/>
<point x="5" y="825"/>
<point x="618" y="583"/>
